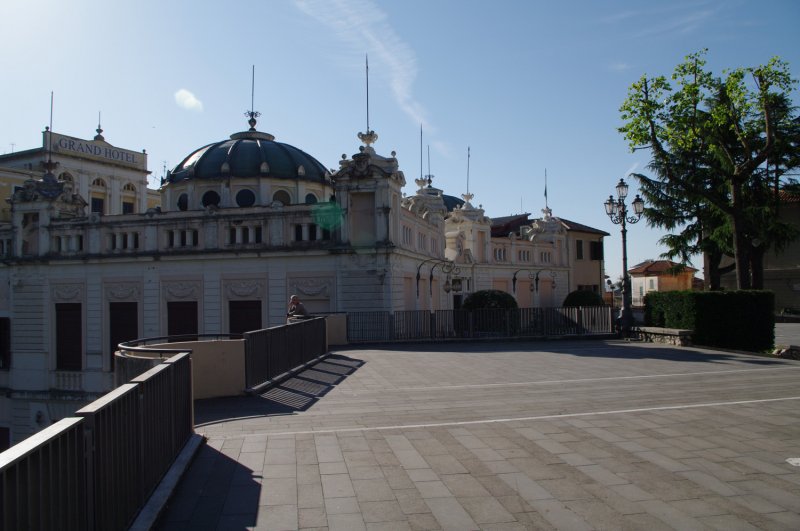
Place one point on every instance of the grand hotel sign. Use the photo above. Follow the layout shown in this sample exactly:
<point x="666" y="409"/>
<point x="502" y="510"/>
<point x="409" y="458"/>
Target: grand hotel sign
<point x="98" y="150"/>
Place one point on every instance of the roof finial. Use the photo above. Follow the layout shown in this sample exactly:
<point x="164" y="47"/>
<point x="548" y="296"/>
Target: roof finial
<point x="420" y="150"/>
<point x="468" y="196"/>
<point x="545" y="188"/>
<point x="99" y="135"/>
<point x="429" y="176"/>
<point x="253" y="114"/>
<point x="368" y="137"/>
<point x="50" y="165"/>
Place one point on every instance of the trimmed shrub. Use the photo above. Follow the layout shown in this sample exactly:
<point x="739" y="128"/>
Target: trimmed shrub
<point x="583" y="297"/>
<point x="742" y="319"/>
<point x="489" y="299"/>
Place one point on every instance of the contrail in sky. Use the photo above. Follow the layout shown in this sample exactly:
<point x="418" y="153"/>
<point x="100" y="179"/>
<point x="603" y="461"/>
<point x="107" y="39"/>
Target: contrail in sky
<point x="363" y="26"/>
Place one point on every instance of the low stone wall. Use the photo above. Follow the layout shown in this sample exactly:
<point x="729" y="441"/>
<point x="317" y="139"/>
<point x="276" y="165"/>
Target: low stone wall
<point x="670" y="336"/>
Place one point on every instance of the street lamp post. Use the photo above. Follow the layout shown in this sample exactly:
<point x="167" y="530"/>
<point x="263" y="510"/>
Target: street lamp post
<point x="617" y="211"/>
<point x="534" y="286"/>
<point x="447" y="267"/>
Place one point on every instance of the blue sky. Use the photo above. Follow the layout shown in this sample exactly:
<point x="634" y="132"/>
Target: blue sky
<point x="529" y="86"/>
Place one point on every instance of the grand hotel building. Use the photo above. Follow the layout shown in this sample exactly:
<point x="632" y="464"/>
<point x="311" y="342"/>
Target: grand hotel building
<point x="92" y="257"/>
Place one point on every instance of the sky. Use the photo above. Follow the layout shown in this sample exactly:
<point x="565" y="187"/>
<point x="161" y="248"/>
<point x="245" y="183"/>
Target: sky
<point x="529" y="87"/>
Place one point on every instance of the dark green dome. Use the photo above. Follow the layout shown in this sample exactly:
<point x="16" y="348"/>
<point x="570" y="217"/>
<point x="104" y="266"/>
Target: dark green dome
<point x="249" y="154"/>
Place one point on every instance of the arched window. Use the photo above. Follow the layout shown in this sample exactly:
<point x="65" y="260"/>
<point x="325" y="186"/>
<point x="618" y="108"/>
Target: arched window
<point x="129" y="187"/>
<point x="99" y="183"/>
<point x="183" y="202"/>
<point x="282" y="196"/>
<point x="66" y="177"/>
<point x="211" y="198"/>
<point x="245" y="198"/>
<point x="311" y="199"/>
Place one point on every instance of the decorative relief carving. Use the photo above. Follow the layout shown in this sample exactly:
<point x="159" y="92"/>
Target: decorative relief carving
<point x="244" y="288"/>
<point x="182" y="290"/>
<point x="67" y="293"/>
<point x="123" y="291"/>
<point x="318" y="288"/>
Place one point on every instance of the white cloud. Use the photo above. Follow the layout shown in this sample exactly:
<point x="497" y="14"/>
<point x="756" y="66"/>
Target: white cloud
<point x="363" y="26"/>
<point x="619" y="67"/>
<point x="188" y="101"/>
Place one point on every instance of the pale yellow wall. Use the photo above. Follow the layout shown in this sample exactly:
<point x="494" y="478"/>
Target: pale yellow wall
<point x="217" y="366"/>
<point x="336" y="327"/>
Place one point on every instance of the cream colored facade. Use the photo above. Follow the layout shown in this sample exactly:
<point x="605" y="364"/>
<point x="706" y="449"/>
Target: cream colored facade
<point x="228" y="248"/>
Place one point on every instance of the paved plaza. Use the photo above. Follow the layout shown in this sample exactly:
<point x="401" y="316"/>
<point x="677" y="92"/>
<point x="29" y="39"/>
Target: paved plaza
<point x="565" y="435"/>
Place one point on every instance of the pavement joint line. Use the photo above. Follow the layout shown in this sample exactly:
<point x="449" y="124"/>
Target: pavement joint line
<point x="578" y="380"/>
<point x="495" y="421"/>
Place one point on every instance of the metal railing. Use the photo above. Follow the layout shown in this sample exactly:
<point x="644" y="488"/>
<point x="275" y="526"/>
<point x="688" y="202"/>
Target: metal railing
<point x="96" y="470"/>
<point x="475" y="324"/>
<point x="272" y="353"/>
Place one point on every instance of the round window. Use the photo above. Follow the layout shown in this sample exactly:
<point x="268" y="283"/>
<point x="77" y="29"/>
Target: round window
<point x="311" y="199"/>
<point x="282" y="196"/>
<point x="210" y="198"/>
<point x="245" y="198"/>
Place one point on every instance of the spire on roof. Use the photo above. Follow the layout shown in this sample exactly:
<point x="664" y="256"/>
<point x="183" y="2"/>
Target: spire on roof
<point x="99" y="135"/>
<point x="252" y="113"/>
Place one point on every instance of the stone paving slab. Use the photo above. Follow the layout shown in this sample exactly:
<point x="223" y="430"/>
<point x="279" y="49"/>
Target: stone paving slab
<point x="546" y="435"/>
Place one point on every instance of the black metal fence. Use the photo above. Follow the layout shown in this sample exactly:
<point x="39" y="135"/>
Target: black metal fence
<point x="274" y="352"/>
<point x="418" y="325"/>
<point x="96" y="470"/>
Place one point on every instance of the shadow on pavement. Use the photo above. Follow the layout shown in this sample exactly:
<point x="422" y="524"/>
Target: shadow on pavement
<point x="295" y="394"/>
<point x="216" y="492"/>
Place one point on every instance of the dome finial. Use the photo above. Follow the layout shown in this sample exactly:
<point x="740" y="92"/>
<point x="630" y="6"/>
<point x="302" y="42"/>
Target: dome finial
<point x="253" y="114"/>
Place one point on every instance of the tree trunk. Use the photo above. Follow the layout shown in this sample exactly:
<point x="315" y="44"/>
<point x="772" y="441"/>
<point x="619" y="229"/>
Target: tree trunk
<point x="757" y="266"/>
<point x="713" y="277"/>
<point x="741" y="246"/>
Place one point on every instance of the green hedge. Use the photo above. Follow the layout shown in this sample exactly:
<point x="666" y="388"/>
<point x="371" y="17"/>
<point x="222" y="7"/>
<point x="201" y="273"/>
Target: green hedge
<point x="742" y="320"/>
<point x="489" y="298"/>
<point x="583" y="298"/>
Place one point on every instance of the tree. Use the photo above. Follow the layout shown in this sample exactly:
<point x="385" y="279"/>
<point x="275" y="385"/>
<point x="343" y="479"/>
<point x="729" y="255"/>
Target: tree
<point x="712" y="140"/>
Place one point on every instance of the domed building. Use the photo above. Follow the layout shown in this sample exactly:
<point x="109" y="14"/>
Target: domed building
<point x="242" y="224"/>
<point x="249" y="169"/>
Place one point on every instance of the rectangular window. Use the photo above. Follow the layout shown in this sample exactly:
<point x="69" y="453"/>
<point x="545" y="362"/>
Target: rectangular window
<point x="5" y="344"/>
<point x="171" y="238"/>
<point x="123" y="325"/>
<point x="259" y="234"/>
<point x="5" y="438"/>
<point x="312" y="232"/>
<point x="596" y="250"/>
<point x="298" y="233"/>
<point x="97" y="205"/>
<point x="69" y="337"/>
<point x="579" y="249"/>
<point x="195" y="237"/>
<point x="127" y="208"/>
<point x="244" y="316"/>
<point x="182" y="320"/>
